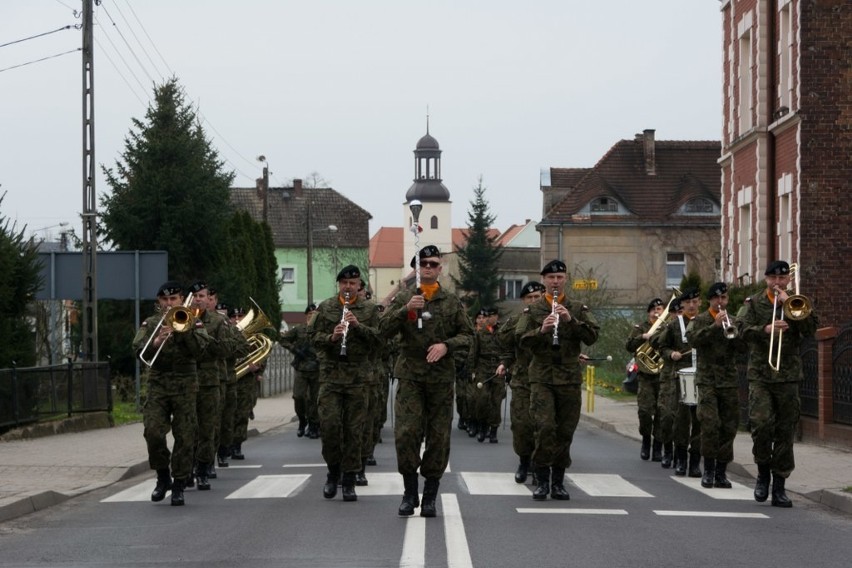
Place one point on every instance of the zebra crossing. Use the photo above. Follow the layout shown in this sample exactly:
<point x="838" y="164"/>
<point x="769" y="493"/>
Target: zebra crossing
<point x="476" y="483"/>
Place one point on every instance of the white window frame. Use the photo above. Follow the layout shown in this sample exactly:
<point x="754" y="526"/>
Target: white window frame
<point x="288" y="274"/>
<point x="674" y="260"/>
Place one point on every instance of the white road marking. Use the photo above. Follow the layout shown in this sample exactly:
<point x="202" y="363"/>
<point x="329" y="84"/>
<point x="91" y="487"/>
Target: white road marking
<point x="139" y="492"/>
<point x="266" y="486"/>
<point x="458" y="553"/>
<point x="414" y="544"/>
<point x="490" y="483"/>
<point x="247" y="466"/>
<point x="606" y="485"/>
<point x="737" y="492"/>
<point x="381" y="484"/>
<point x="711" y="514"/>
<point x="572" y="511"/>
<point x="304" y="465"/>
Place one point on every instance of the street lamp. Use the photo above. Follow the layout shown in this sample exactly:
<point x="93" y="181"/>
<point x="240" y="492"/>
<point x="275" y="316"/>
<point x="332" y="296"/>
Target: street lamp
<point x="311" y="231"/>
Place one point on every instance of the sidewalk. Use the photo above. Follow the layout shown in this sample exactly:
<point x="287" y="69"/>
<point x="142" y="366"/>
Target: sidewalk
<point x="41" y="472"/>
<point x="38" y="473"/>
<point x="821" y="472"/>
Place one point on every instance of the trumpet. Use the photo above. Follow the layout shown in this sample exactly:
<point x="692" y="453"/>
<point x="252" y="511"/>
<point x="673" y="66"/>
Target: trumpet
<point x="796" y="307"/>
<point x="179" y="318"/>
<point x="345" y="323"/>
<point x="728" y="328"/>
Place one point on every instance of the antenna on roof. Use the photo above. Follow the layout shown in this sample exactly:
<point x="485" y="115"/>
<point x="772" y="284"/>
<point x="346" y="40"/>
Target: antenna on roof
<point x="427" y="119"/>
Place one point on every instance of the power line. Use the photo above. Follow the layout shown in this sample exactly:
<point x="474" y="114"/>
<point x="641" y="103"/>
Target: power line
<point x="122" y="57"/>
<point x="68" y="27"/>
<point x="145" y="51"/>
<point x="154" y="45"/>
<point x="124" y="39"/>
<point x="40" y="60"/>
<point x="117" y="70"/>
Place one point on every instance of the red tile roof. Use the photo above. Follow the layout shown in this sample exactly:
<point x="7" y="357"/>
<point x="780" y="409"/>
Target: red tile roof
<point x="386" y="248"/>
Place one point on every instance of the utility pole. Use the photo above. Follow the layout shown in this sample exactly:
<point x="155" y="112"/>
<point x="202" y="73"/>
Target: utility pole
<point x="90" y="214"/>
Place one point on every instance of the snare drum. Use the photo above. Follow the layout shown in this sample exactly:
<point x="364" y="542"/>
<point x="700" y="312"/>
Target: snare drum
<point x="688" y="388"/>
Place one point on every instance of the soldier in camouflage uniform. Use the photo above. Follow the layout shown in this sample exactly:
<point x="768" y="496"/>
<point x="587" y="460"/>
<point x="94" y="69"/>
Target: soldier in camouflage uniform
<point x="344" y="333"/>
<point x="773" y="395"/>
<point x="484" y="359"/>
<point x="172" y="387"/>
<point x="553" y="330"/>
<point x="306" y="384"/>
<point x="228" y="387"/>
<point x="211" y="374"/>
<point x="669" y="400"/>
<point x="716" y="378"/>
<point x="516" y="361"/>
<point x="676" y="351"/>
<point x="467" y="384"/>
<point x="647" y="399"/>
<point x="425" y="370"/>
<point x="373" y="383"/>
<point x="247" y="387"/>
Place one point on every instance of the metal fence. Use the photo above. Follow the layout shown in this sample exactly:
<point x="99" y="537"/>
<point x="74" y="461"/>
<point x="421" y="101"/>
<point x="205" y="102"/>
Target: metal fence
<point x="842" y="376"/>
<point x="279" y="373"/>
<point x="809" y="387"/>
<point x="29" y="394"/>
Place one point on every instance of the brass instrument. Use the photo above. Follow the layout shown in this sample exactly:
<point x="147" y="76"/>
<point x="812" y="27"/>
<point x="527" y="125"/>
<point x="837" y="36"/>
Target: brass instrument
<point x="345" y="323"/>
<point x="796" y="307"/>
<point x="728" y="327"/>
<point x="252" y="326"/>
<point x="649" y="360"/>
<point x="555" y="303"/>
<point x="179" y="318"/>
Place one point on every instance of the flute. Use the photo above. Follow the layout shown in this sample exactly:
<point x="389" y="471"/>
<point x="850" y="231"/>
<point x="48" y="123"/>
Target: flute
<point x="345" y="325"/>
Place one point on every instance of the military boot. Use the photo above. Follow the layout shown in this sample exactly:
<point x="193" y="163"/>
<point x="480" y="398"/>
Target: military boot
<point x="492" y="435"/>
<point x="237" y="452"/>
<point x="222" y="456"/>
<point x="472" y="430"/>
<point x="430" y="495"/>
<point x="348" y="487"/>
<point x="164" y="483"/>
<point x="543" y="488"/>
<point x="410" y="498"/>
<point x="761" y="485"/>
<point x="329" y="490"/>
<point x="177" y="492"/>
<point x="694" y="464"/>
<point x="680" y="461"/>
<point x="523" y="470"/>
<point x="211" y="471"/>
<point x="462" y="425"/>
<point x="360" y="477"/>
<point x="709" y="477"/>
<point x="557" y="485"/>
<point x="483" y="432"/>
<point x="300" y="431"/>
<point x="720" y="479"/>
<point x="313" y="430"/>
<point x="667" y="456"/>
<point x="657" y="451"/>
<point x="202" y="477"/>
<point x="371" y="460"/>
<point x="779" y="496"/>
<point x="645" y="452"/>
<point x="190" y="481"/>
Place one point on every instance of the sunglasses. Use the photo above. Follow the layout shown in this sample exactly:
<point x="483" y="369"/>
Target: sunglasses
<point x="429" y="264"/>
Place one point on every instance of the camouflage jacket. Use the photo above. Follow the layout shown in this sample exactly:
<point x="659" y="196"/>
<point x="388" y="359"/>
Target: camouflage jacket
<point x="635" y="341"/>
<point x="485" y="353"/>
<point x="515" y="358"/>
<point x="556" y="364"/>
<point x="225" y="341"/>
<point x="298" y="342"/>
<point x="669" y="339"/>
<point x="716" y="355"/>
<point x="757" y="313"/>
<point x="449" y="324"/>
<point x="175" y="370"/>
<point x="362" y="341"/>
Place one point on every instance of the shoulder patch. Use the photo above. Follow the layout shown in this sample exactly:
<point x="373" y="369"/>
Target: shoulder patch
<point x="748" y="299"/>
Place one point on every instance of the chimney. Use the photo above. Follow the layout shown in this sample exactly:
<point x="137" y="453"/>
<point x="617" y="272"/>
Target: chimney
<point x="297" y="187"/>
<point x="650" y="158"/>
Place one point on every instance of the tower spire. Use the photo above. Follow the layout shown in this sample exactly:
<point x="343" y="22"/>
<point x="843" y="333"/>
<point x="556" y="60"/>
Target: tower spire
<point x="427" y="119"/>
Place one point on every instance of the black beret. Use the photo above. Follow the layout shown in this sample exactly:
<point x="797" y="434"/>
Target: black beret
<point x="717" y="289"/>
<point x="197" y="286"/>
<point x="169" y="288"/>
<point x="426" y="252"/>
<point x="553" y="267"/>
<point x="777" y="267"/>
<point x="350" y="271"/>
<point x="654" y="303"/>
<point x="234" y="312"/>
<point x="212" y="291"/>
<point x="531" y="287"/>
<point x="222" y="306"/>
<point x="310" y="308"/>
<point x="488" y="312"/>
<point x="689" y="294"/>
<point x="675" y="305"/>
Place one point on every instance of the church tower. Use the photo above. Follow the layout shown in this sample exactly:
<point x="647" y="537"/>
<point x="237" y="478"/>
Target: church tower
<point x="436" y="217"/>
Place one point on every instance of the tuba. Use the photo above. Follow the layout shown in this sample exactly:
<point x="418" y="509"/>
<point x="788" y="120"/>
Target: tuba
<point x="252" y="327"/>
<point x="649" y="360"/>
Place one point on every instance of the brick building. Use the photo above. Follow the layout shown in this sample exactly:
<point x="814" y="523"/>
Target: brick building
<point x="786" y="145"/>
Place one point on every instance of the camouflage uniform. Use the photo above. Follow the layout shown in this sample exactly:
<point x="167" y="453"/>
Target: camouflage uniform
<point x="648" y="397"/>
<point x="306" y="384"/>
<point x="517" y="360"/>
<point x="718" y="394"/>
<point x="483" y="360"/>
<point x="247" y="387"/>
<point x="774" y="404"/>
<point x="170" y="404"/>
<point x="424" y="397"/>
<point x="555" y="381"/>
<point x="343" y="383"/>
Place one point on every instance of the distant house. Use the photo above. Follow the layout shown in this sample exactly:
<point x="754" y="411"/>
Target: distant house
<point x="520" y="262"/>
<point x="334" y="228"/>
<point x="644" y="216"/>
<point x="786" y="145"/>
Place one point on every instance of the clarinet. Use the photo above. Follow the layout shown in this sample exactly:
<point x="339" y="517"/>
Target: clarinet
<point x="345" y="325"/>
<point x="555" y="344"/>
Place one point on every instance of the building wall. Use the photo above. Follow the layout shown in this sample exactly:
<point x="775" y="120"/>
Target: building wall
<point x="327" y="262"/>
<point x="441" y="237"/>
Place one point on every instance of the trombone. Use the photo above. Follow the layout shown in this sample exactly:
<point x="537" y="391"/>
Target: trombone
<point x="796" y="307"/>
<point x="179" y="318"/>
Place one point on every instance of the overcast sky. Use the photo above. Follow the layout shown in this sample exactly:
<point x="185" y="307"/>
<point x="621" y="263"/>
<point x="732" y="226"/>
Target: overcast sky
<point x="341" y="88"/>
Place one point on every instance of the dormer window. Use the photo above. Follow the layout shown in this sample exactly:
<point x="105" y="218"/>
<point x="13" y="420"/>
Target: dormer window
<point x="603" y="205"/>
<point x="699" y="206"/>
